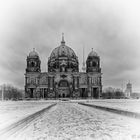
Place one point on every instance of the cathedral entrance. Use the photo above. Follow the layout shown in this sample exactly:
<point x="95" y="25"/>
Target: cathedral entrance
<point x="63" y="89"/>
<point x="83" y="93"/>
<point x="63" y="95"/>
<point x="95" y="92"/>
<point x="31" y="92"/>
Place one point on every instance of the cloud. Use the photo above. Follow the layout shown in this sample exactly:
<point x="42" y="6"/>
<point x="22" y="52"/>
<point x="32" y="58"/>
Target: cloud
<point x="111" y="28"/>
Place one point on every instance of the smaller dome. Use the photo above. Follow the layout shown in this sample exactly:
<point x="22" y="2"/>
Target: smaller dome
<point x="33" y="53"/>
<point x="93" y="54"/>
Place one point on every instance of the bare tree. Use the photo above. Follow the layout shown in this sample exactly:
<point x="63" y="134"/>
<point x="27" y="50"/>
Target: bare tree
<point x="10" y="92"/>
<point x="112" y="93"/>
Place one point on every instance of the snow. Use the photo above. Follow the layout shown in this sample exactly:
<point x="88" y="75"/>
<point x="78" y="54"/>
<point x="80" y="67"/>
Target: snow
<point x="71" y="121"/>
<point x="123" y="104"/>
<point x="11" y="111"/>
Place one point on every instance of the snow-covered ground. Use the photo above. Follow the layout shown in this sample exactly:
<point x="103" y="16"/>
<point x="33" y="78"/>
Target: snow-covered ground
<point x="123" y="104"/>
<point x="71" y="121"/>
<point x="12" y="111"/>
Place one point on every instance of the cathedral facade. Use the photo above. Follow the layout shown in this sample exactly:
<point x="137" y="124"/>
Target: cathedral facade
<point x="63" y="79"/>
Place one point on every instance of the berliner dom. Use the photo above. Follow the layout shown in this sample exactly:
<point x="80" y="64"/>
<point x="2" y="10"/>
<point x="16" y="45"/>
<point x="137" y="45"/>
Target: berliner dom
<point x="63" y="79"/>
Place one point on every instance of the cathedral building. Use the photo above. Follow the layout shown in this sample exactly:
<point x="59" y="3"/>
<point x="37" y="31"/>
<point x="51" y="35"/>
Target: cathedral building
<point x="63" y="79"/>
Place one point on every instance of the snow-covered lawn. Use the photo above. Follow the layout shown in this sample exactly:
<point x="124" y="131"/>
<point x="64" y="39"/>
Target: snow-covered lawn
<point x="71" y="121"/>
<point x="123" y="104"/>
<point x="12" y="111"/>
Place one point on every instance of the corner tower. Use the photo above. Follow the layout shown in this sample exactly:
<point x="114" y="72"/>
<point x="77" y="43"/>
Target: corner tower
<point x="32" y="74"/>
<point x="93" y="62"/>
<point x="33" y="62"/>
<point x="94" y="74"/>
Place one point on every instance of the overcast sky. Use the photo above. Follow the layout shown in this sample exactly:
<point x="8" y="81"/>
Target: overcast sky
<point x="111" y="28"/>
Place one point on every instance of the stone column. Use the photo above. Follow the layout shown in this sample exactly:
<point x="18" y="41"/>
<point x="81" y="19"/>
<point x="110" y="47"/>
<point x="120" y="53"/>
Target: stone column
<point x="90" y="93"/>
<point x="43" y="93"/>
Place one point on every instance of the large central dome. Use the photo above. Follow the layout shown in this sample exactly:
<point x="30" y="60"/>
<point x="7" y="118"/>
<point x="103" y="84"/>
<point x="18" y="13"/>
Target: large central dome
<point x="63" y="51"/>
<point x="63" y="55"/>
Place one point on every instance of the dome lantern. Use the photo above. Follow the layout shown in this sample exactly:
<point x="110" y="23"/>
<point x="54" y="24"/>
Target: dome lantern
<point x="93" y="54"/>
<point x="63" y="41"/>
<point x="33" y="53"/>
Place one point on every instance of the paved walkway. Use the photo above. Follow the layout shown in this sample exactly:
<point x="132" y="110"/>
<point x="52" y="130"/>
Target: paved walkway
<point x="71" y="121"/>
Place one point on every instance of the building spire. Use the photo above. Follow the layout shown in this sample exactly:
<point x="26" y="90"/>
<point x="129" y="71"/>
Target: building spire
<point x="63" y="41"/>
<point x="83" y="55"/>
<point x="83" y="68"/>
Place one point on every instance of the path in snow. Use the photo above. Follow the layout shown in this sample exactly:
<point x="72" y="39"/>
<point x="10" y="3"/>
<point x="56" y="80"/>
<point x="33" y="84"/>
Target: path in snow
<point x="71" y="121"/>
<point x="11" y="112"/>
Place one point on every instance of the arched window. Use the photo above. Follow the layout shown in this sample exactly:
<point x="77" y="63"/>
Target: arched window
<point x="94" y="64"/>
<point x="32" y="64"/>
<point x="90" y="63"/>
<point x="63" y="83"/>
